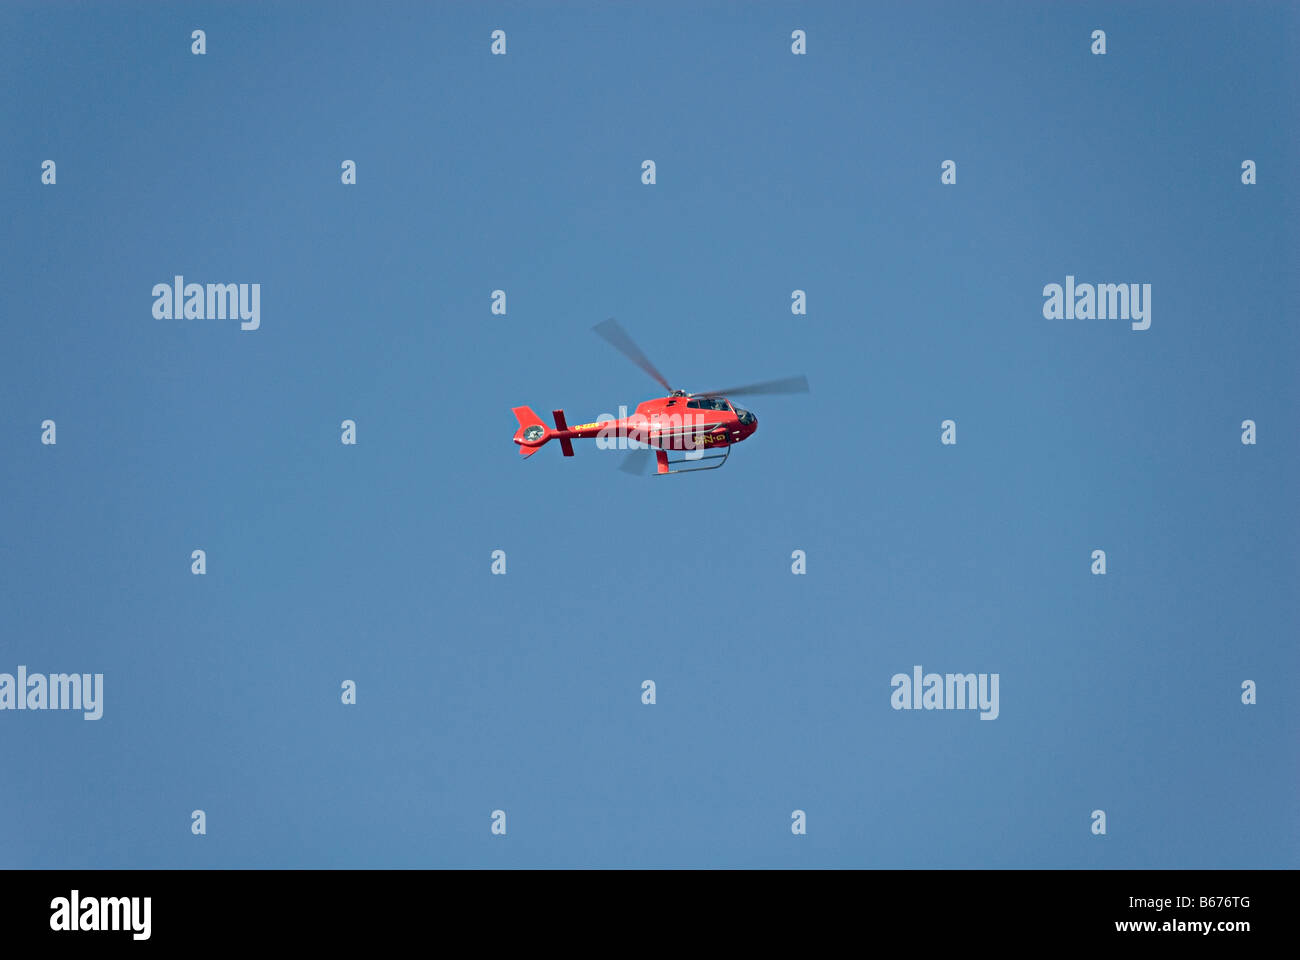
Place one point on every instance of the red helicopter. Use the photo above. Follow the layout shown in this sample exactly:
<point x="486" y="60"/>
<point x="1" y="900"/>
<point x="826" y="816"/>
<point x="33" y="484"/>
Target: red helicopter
<point x="690" y="422"/>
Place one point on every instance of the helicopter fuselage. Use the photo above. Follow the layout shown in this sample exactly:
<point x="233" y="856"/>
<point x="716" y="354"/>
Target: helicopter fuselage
<point x="677" y="423"/>
<point x="666" y="423"/>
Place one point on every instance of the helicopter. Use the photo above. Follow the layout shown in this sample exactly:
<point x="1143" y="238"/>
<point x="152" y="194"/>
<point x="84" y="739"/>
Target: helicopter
<point x="689" y="422"/>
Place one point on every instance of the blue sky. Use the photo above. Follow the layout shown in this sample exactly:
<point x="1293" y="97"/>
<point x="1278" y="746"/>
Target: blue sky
<point x="521" y="692"/>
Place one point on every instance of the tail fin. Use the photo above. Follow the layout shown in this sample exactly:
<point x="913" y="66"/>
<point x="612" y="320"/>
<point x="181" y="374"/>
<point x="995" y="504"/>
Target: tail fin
<point x="532" y="432"/>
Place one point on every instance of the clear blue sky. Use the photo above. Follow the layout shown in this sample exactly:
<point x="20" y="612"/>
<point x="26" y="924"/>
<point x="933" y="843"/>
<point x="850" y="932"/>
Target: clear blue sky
<point x="522" y="692"/>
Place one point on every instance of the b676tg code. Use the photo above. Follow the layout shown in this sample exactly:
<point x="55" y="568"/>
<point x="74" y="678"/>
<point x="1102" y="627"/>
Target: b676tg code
<point x="1225" y="902"/>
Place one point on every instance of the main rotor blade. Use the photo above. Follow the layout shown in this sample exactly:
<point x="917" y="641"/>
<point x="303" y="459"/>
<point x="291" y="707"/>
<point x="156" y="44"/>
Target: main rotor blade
<point x="620" y="341"/>
<point x="797" y="384"/>
<point x="639" y="463"/>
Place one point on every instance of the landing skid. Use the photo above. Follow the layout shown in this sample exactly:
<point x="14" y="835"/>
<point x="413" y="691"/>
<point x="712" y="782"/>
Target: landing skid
<point x="665" y="466"/>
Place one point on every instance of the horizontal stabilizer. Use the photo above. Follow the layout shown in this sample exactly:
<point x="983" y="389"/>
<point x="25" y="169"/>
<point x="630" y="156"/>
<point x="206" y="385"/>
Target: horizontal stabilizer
<point x="566" y="444"/>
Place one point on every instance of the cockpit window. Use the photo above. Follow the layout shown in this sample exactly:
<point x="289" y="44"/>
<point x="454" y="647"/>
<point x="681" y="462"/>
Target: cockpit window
<point x="744" y="415"/>
<point x="710" y="403"/>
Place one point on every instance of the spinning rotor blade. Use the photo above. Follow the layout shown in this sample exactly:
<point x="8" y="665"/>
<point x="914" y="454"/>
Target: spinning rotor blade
<point x="639" y="463"/>
<point x="611" y="331"/>
<point x="797" y="384"/>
